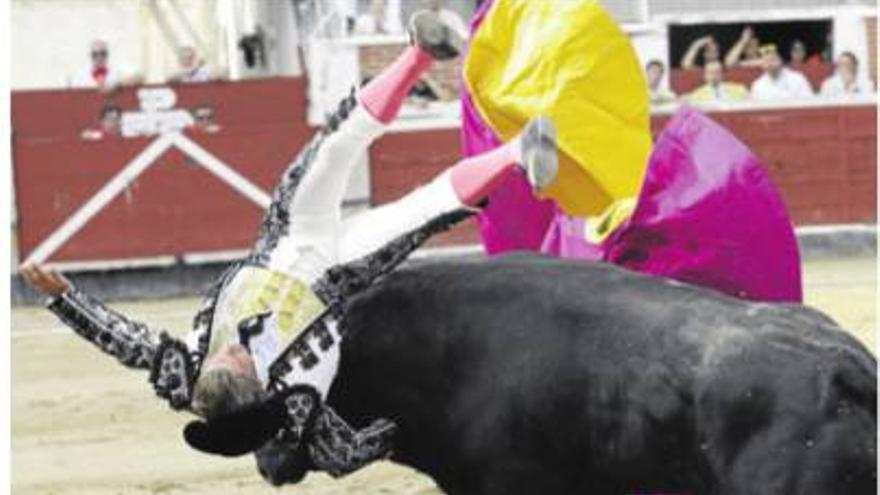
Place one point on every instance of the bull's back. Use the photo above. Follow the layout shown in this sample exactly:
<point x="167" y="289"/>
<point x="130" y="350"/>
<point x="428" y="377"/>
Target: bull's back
<point x="584" y="370"/>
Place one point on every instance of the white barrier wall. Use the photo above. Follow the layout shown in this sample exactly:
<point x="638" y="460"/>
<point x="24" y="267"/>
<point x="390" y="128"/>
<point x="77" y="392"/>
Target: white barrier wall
<point x="50" y="38"/>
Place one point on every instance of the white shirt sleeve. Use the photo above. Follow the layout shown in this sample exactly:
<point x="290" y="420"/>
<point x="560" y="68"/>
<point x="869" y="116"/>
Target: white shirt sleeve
<point x="82" y="79"/>
<point x="803" y="88"/>
<point x="829" y="88"/>
<point x="759" y="89"/>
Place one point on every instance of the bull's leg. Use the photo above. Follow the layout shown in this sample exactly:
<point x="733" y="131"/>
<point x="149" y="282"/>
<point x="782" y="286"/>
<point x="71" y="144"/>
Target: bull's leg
<point x="466" y="184"/>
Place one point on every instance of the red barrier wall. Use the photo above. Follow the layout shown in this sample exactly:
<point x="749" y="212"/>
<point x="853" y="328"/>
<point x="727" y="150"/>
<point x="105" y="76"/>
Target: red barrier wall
<point x="822" y="159"/>
<point x="175" y="206"/>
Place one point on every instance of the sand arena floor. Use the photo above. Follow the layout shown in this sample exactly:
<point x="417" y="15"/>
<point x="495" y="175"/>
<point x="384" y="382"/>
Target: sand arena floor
<point x="83" y="425"/>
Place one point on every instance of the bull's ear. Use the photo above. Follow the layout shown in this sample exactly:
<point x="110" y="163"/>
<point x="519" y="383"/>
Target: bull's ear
<point x="238" y="433"/>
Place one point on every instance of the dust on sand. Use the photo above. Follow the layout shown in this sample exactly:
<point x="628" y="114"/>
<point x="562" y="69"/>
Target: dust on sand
<point x="83" y="425"/>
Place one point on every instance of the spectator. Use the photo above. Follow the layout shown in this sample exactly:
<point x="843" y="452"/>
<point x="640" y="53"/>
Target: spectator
<point x="654" y="71"/>
<point x="705" y="48"/>
<point x="109" y="124"/>
<point x="203" y="118"/>
<point x="797" y="55"/>
<point x="715" y="89"/>
<point x="348" y="10"/>
<point x="376" y="21"/>
<point x="449" y="17"/>
<point x="746" y="52"/>
<point x="100" y="73"/>
<point x="845" y="80"/>
<point x="192" y="69"/>
<point x="826" y="55"/>
<point x="778" y="81"/>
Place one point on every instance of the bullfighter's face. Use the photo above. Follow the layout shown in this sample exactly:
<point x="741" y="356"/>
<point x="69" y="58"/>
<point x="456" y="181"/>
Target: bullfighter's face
<point x="235" y="358"/>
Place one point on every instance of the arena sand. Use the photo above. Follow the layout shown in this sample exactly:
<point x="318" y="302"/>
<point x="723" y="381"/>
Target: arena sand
<point x="83" y="425"/>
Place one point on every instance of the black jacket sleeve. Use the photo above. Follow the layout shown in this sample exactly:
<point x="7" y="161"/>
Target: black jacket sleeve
<point x="132" y="343"/>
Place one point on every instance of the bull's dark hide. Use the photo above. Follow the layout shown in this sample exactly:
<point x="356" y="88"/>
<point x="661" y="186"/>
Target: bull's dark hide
<point x="535" y="375"/>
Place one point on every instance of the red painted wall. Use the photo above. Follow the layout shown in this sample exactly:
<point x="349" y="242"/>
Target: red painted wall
<point x="824" y="161"/>
<point x="175" y="207"/>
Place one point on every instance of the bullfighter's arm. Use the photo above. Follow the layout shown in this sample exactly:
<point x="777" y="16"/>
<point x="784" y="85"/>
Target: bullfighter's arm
<point x="132" y="343"/>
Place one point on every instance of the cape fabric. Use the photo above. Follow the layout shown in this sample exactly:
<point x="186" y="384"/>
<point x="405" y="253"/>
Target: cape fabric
<point x="569" y="61"/>
<point x="707" y="213"/>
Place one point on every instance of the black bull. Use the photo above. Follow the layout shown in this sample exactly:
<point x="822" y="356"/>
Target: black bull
<point x="535" y="375"/>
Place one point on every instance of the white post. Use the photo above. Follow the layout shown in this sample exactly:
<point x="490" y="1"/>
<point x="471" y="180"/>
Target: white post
<point x="645" y="11"/>
<point x="226" y="18"/>
<point x="188" y="27"/>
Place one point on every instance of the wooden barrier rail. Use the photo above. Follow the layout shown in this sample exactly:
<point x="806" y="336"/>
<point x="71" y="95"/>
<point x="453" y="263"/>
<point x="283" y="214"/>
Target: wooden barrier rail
<point x="200" y="193"/>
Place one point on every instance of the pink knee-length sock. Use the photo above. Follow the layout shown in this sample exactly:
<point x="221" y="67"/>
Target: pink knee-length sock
<point x="384" y="95"/>
<point x="474" y="178"/>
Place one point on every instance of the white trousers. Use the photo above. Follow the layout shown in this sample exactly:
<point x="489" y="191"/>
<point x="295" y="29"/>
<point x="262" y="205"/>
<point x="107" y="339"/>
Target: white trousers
<point x="318" y="238"/>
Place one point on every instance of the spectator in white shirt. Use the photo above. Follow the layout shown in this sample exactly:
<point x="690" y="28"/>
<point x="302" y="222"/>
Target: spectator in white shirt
<point x="100" y="73"/>
<point x="654" y="71"/>
<point x="797" y="55"/>
<point x="845" y="80"/>
<point x="449" y="17"/>
<point x="192" y="68"/>
<point x="779" y="82"/>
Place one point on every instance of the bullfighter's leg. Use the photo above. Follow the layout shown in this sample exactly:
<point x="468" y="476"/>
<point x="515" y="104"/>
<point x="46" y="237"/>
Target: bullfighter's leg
<point x="307" y="206"/>
<point x="466" y="184"/>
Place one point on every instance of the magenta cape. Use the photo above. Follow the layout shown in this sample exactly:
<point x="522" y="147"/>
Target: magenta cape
<point x="707" y="213"/>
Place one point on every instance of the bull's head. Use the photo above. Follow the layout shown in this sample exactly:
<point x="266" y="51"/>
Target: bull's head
<point x="292" y="433"/>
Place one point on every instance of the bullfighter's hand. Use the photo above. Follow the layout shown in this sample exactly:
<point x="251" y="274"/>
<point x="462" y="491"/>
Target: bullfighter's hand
<point x="45" y="280"/>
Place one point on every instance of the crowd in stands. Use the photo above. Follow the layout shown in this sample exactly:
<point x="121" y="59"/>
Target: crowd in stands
<point x="779" y="80"/>
<point x="106" y="77"/>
